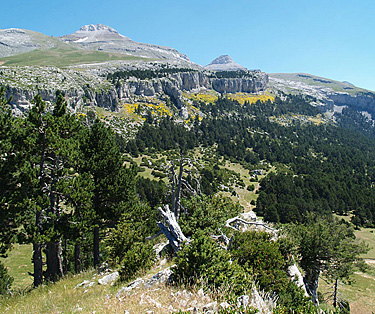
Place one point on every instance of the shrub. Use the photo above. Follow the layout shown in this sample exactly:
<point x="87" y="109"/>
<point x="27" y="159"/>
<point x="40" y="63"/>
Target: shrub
<point x="126" y="244"/>
<point x="256" y="253"/>
<point x="5" y="280"/>
<point x="250" y="187"/>
<point x="208" y="213"/>
<point x="202" y="261"/>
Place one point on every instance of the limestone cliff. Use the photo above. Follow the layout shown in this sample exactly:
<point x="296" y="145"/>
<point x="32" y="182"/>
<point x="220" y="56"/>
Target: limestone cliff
<point x="92" y="87"/>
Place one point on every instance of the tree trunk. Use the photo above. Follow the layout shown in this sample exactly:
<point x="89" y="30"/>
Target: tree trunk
<point x="173" y="232"/>
<point x="311" y="281"/>
<point x="335" y="293"/>
<point x="96" y="247"/>
<point x="38" y="264"/>
<point x="54" y="261"/>
<point x="77" y="258"/>
<point x="65" y="257"/>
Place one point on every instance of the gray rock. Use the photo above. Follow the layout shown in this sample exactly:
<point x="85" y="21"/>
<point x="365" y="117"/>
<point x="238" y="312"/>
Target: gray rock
<point x="85" y="284"/>
<point x="109" y="279"/>
<point x="126" y="290"/>
<point x="224" y="305"/>
<point x="210" y="307"/>
<point x="243" y="301"/>
<point x="160" y="277"/>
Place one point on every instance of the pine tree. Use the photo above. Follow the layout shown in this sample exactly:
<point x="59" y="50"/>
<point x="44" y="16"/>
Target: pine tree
<point x="51" y="148"/>
<point x="113" y="184"/>
<point x="326" y="245"/>
<point x="11" y="134"/>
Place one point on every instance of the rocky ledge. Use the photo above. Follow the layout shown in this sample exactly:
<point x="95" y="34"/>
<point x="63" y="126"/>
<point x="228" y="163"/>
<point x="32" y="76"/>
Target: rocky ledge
<point x="90" y="85"/>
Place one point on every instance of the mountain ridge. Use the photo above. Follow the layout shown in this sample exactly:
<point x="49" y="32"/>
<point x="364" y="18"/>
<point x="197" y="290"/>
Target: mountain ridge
<point x="16" y="41"/>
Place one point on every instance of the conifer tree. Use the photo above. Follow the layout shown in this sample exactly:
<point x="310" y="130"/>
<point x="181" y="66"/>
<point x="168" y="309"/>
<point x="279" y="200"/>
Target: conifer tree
<point x="326" y="246"/>
<point x="51" y="147"/>
<point x="113" y="183"/>
<point x="11" y="134"/>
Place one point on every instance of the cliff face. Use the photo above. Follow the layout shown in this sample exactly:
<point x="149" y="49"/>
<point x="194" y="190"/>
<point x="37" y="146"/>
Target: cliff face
<point x="362" y="102"/>
<point x="102" y="93"/>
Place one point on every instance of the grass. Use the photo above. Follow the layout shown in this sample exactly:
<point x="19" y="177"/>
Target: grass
<point x="367" y="235"/>
<point x="65" y="297"/>
<point x="19" y="264"/>
<point x="361" y="293"/>
<point x="62" y="56"/>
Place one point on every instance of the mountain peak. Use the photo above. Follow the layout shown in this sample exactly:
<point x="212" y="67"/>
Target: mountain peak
<point x="97" y="28"/>
<point x="224" y="59"/>
<point x="225" y="63"/>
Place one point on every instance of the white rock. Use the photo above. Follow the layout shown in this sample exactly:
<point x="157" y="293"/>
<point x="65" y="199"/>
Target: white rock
<point x="210" y="306"/>
<point x="109" y="279"/>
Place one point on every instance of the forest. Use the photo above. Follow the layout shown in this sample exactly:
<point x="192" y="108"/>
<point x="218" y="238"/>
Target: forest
<point x="70" y="188"/>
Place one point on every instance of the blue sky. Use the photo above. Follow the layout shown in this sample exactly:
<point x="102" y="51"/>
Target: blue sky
<point x="333" y="39"/>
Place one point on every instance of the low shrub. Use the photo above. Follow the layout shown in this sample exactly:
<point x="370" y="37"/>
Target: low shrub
<point x="5" y="280"/>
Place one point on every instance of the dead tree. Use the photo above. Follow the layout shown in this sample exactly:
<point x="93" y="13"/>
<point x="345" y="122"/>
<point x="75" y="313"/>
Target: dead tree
<point x="172" y="231"/>
<point x="179" y="184"/>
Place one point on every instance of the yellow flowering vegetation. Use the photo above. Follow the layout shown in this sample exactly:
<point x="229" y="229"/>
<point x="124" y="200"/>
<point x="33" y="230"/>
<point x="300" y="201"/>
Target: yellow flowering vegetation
<point x="240" y="97"/>
<point x="250" y="98"/>
<point x="193" y="114"/>
<point x="201" y="97"/>
<point x="156" y="107"/>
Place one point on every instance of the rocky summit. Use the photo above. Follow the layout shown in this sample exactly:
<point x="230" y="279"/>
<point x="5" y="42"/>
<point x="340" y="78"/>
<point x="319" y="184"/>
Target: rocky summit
<point x="104" y="38"/>
<point x="225" y="63"/>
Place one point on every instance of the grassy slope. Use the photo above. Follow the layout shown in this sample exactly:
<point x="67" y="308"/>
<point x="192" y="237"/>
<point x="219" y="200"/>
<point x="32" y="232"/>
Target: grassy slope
<point x="361" y="293"/>
<point x="65" y="297"/>
<point x="62" y="56"/>
<point x="19" y="264"/>
<point x="319" y="81"/>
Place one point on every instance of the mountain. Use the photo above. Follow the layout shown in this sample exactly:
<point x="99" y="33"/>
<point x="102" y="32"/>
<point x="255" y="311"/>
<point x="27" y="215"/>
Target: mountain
<point x="224" y="63"/>
<point x="327" y="92"/>
<point x="15" y="41"/>
<point x="104" y="38"/>
<point x="90" y="44"/>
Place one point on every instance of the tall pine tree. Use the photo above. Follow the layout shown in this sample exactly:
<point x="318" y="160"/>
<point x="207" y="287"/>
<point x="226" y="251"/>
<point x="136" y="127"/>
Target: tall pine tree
<point x="113" y="183"/>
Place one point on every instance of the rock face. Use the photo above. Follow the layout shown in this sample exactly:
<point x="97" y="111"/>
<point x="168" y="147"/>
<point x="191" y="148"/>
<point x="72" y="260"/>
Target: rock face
<point x="224" y="63"/>
<point x="365" y="102"/>
<point x="91" y="86"/>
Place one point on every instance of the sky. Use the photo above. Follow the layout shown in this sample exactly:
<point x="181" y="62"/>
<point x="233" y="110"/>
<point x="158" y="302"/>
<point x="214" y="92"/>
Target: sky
<point x="332" y="38"/>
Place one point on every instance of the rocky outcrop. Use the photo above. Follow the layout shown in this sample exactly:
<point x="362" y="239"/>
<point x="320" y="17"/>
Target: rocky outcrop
<point x="244" y="85"/>
<point x="101" y="93"/>
<point x="362" y="101"/>
<point x="225" y="63"/>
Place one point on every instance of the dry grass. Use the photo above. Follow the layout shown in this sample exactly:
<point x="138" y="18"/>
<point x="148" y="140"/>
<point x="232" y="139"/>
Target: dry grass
<point x="64" y="297"/>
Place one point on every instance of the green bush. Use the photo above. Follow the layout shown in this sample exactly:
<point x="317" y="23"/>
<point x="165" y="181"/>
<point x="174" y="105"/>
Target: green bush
<point x="250" y="187"/>
<point x="256" y="253"/>
<point x="202" y="261"/>
<point x="126" y="245"/>
<point x="5" y="280"/>
<point x="268" y="260"/>
<point x="208" y="213"/>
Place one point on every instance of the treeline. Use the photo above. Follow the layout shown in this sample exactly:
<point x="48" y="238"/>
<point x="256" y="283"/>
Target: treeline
<point x="330" y="168"/>
<point x="232" y="74"/>
<point x="146" y="74"/>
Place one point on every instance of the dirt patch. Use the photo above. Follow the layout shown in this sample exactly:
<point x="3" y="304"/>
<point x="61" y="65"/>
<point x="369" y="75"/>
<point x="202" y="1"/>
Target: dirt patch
<point x="2" y="62"/>
<point x="365" y="275"/>
<point x="370" y="261"/>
